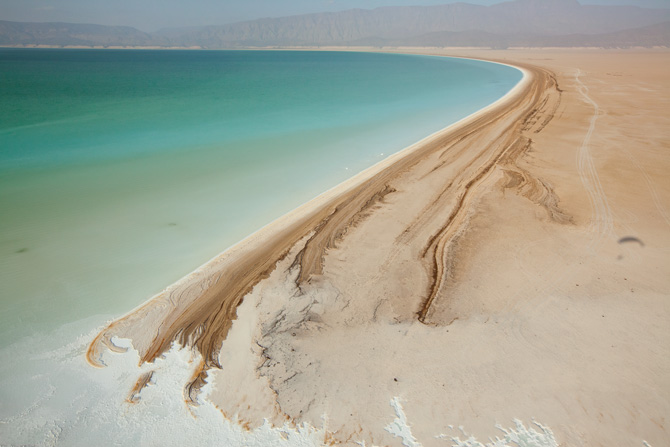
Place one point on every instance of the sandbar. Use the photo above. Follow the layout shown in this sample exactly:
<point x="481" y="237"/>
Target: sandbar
<point x="513" y="265"/>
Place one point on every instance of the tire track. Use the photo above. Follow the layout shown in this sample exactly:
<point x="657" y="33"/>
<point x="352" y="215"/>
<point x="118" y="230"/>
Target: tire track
<point x="602" y="222"/>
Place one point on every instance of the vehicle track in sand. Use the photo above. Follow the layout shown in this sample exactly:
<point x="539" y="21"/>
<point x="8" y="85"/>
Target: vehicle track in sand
<point x="602" y="221"/>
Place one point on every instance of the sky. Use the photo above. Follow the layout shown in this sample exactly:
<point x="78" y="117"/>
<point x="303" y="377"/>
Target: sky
<point x="151" y="15"/>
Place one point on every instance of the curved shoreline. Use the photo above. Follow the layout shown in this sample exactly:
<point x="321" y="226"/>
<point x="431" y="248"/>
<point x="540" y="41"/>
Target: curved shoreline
<point x="532" y="308"/>
<point x="324" y="198"/>
<point x="199" y="309"/>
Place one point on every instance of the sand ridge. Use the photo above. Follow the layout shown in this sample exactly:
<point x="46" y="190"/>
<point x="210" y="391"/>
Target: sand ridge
<point x="198" y="310"/>
<point x="484" y="274"/>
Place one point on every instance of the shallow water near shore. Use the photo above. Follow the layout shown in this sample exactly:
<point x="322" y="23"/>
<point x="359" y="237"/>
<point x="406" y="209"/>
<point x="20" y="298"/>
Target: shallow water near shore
<point x="122" y="171"/>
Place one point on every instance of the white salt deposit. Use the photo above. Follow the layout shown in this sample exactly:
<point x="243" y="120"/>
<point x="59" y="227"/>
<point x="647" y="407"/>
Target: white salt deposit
<point x="77" y="405"/>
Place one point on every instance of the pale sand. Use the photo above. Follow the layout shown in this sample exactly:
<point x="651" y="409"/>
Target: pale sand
<point x="477" y="275"/>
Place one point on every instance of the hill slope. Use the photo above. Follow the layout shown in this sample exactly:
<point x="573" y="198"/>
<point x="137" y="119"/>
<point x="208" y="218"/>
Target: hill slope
<point x="514" y="23"/>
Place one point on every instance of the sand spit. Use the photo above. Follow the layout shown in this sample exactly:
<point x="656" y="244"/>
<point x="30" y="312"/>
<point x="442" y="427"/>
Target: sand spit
<point x="183" y="312"/>
<point x="487" y="273"/>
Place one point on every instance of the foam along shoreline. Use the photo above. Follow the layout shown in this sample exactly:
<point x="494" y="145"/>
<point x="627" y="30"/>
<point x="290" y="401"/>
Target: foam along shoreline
<point x="222" y="282"/>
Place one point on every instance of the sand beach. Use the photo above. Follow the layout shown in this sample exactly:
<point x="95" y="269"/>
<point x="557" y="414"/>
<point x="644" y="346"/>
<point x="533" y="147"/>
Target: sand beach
<point x="513" y="265"/>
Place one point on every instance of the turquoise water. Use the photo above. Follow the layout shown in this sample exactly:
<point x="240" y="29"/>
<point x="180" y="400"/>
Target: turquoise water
<point x="121" y="171"/>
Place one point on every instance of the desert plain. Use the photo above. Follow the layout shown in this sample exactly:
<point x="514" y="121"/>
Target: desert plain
<point x="514" y="265"/>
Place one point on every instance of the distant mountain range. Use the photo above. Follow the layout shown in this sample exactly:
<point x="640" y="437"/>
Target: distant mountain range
<point x="526" y="23"/>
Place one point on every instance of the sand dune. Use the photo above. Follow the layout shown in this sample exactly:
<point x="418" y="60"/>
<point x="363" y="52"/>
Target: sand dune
<point x="480" y="275"/>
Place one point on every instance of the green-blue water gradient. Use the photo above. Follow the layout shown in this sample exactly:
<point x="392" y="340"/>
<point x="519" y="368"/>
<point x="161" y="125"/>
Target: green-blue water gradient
<point x="122" y="170"/>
